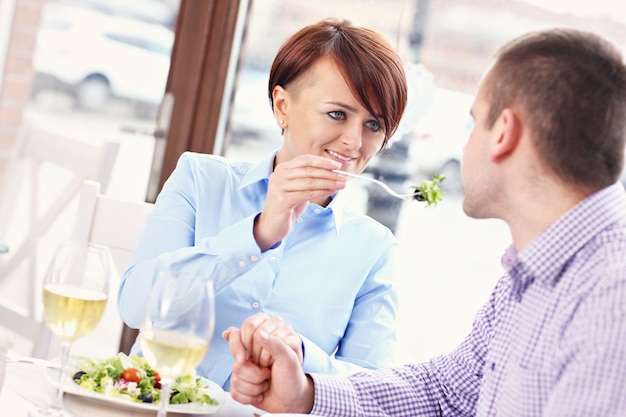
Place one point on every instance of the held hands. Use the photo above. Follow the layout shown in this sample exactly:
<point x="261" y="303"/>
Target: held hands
<point x="251" y="340"/>
<point x="292" y="185"/>
<point x="267" y="372"/>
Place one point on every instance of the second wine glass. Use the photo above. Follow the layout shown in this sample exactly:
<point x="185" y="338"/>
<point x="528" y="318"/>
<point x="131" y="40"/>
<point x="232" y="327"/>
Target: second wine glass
<point x="177" y="328"/>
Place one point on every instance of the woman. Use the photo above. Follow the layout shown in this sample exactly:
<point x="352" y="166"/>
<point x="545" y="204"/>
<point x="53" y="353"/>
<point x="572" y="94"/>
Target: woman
<point x="272" y="235"/>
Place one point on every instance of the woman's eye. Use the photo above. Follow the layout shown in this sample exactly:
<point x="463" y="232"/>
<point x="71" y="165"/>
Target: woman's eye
<point x="337" y="115"/>
<point x="373" y="125"/>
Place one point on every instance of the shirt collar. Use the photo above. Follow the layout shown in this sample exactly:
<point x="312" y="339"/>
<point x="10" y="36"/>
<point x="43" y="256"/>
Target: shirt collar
<point x="261" y="171"/>
<point x="547" y="255"/>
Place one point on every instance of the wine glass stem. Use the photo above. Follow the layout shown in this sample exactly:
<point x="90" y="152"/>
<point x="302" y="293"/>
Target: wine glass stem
<point x="65" y="354"/>
<point x="166" y="386"/>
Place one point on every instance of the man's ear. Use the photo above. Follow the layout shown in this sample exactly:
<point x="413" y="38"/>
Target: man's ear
<point x="508" y="135"/>
<point x="279" y="99"/>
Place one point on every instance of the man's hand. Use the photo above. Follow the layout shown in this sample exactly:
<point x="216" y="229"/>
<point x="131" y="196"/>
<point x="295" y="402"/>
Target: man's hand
<point x="283" y="387"/>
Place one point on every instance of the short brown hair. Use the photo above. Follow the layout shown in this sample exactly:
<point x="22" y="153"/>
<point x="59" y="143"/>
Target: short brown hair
<point x="372" y="69"/>
<point x="570" y="86"/>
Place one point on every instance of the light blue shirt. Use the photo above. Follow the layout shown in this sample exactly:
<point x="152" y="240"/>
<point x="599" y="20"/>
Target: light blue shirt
<point x="330" y="278"/>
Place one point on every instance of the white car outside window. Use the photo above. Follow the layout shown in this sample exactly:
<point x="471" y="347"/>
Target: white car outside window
<point x="97" y="55"/>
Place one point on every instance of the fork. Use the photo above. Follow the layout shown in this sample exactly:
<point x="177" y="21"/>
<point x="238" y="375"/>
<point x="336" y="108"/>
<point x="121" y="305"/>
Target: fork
<point x="16" y="357"/>
<point x="384" y="186"/>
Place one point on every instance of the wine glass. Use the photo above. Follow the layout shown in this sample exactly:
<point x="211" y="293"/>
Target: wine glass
<point x="75" y="293"/>
<point x="177" y="328"/>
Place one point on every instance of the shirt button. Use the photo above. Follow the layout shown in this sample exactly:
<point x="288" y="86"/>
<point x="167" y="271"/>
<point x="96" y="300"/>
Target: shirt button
<point x="299" y="220"/>
<point x="317" y="210"/>
<point x="272" y="259"/>
<point x="254" y="258"/>
<point x="255" y="304"/>
<point x="242" y="264"/>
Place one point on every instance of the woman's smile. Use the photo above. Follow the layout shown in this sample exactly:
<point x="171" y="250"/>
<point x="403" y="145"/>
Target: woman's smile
<point x="339" y="157"/>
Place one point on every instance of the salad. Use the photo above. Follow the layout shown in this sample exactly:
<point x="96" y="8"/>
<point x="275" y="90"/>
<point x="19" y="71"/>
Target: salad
<point x="132" y="378"/>
<point x="429" y="190"/>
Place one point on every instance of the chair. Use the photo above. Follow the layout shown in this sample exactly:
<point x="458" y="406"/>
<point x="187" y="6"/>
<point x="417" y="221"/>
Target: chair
<point x="117" y="224"/>
<point x="42" y="179"/>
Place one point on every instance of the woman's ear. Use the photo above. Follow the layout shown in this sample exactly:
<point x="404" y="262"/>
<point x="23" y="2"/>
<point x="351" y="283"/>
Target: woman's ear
<point x="508" y="135"/>
<point x="280" y="101"/>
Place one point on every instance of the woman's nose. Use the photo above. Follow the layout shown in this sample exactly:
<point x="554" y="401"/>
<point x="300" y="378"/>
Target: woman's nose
<point x="352" y="137"/>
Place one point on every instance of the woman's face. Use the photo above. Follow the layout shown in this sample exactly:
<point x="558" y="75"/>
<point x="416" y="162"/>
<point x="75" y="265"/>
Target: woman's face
<point x="321" y="117"/>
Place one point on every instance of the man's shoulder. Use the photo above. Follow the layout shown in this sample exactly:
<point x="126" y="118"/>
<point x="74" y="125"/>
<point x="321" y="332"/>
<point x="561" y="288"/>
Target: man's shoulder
<point x="607" y="248"/>
<point x="601" y="271"/>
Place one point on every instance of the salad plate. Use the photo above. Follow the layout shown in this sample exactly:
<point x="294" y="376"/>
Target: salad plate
<point x="70" y="387"/>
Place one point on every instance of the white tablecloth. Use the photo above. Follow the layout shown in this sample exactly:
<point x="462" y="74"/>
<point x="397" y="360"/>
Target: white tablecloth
<point x="26" y="386"/>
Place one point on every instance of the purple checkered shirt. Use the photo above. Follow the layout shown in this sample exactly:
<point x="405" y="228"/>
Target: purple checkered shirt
<point x="551" y="340"/>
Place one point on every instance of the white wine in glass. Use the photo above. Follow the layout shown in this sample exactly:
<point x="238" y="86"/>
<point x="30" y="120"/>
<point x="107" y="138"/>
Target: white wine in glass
<point x="178" y="327"/>
<point x="75" y="293"/>
<point x="72" y="311"/>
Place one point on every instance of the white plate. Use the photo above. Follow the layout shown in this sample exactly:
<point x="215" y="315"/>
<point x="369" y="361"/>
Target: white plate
<point x="70" y="387"/>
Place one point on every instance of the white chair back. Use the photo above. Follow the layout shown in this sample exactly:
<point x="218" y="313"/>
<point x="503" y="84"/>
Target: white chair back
<point x="111" y="222"/>
<point x="117" y="224"/>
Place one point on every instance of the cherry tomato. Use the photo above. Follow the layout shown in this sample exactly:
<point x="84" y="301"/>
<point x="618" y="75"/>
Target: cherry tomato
<point x="131" y="375"/>
<point x="157" y="380"/>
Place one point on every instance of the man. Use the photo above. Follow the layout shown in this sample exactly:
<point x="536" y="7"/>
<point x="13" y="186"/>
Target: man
<point x="544" y="156"/>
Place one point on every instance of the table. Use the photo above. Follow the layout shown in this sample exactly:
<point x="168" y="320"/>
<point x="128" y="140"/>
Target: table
<point x="26" y="387"/>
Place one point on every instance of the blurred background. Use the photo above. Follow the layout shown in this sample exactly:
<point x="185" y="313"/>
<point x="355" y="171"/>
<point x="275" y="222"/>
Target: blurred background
<point x="131" y="71"/>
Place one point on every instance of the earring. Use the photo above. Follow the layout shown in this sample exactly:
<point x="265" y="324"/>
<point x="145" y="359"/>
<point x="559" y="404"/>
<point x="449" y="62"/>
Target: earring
<point x="282" y="121"/>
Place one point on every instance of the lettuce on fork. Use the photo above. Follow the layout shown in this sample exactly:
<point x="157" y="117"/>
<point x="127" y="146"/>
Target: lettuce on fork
<point x="429" y="190"/>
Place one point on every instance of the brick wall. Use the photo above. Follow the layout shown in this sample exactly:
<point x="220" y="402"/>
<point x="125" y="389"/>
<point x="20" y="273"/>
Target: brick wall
<point x="18" y="77"/>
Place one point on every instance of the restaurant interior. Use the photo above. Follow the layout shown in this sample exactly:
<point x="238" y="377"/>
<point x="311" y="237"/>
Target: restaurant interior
<point x="113" y="92"/>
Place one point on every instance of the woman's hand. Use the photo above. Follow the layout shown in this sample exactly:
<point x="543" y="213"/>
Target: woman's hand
<point x="283" y="387"/>
<point x="292" y="185"/>
<point x="250" y="338"/>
